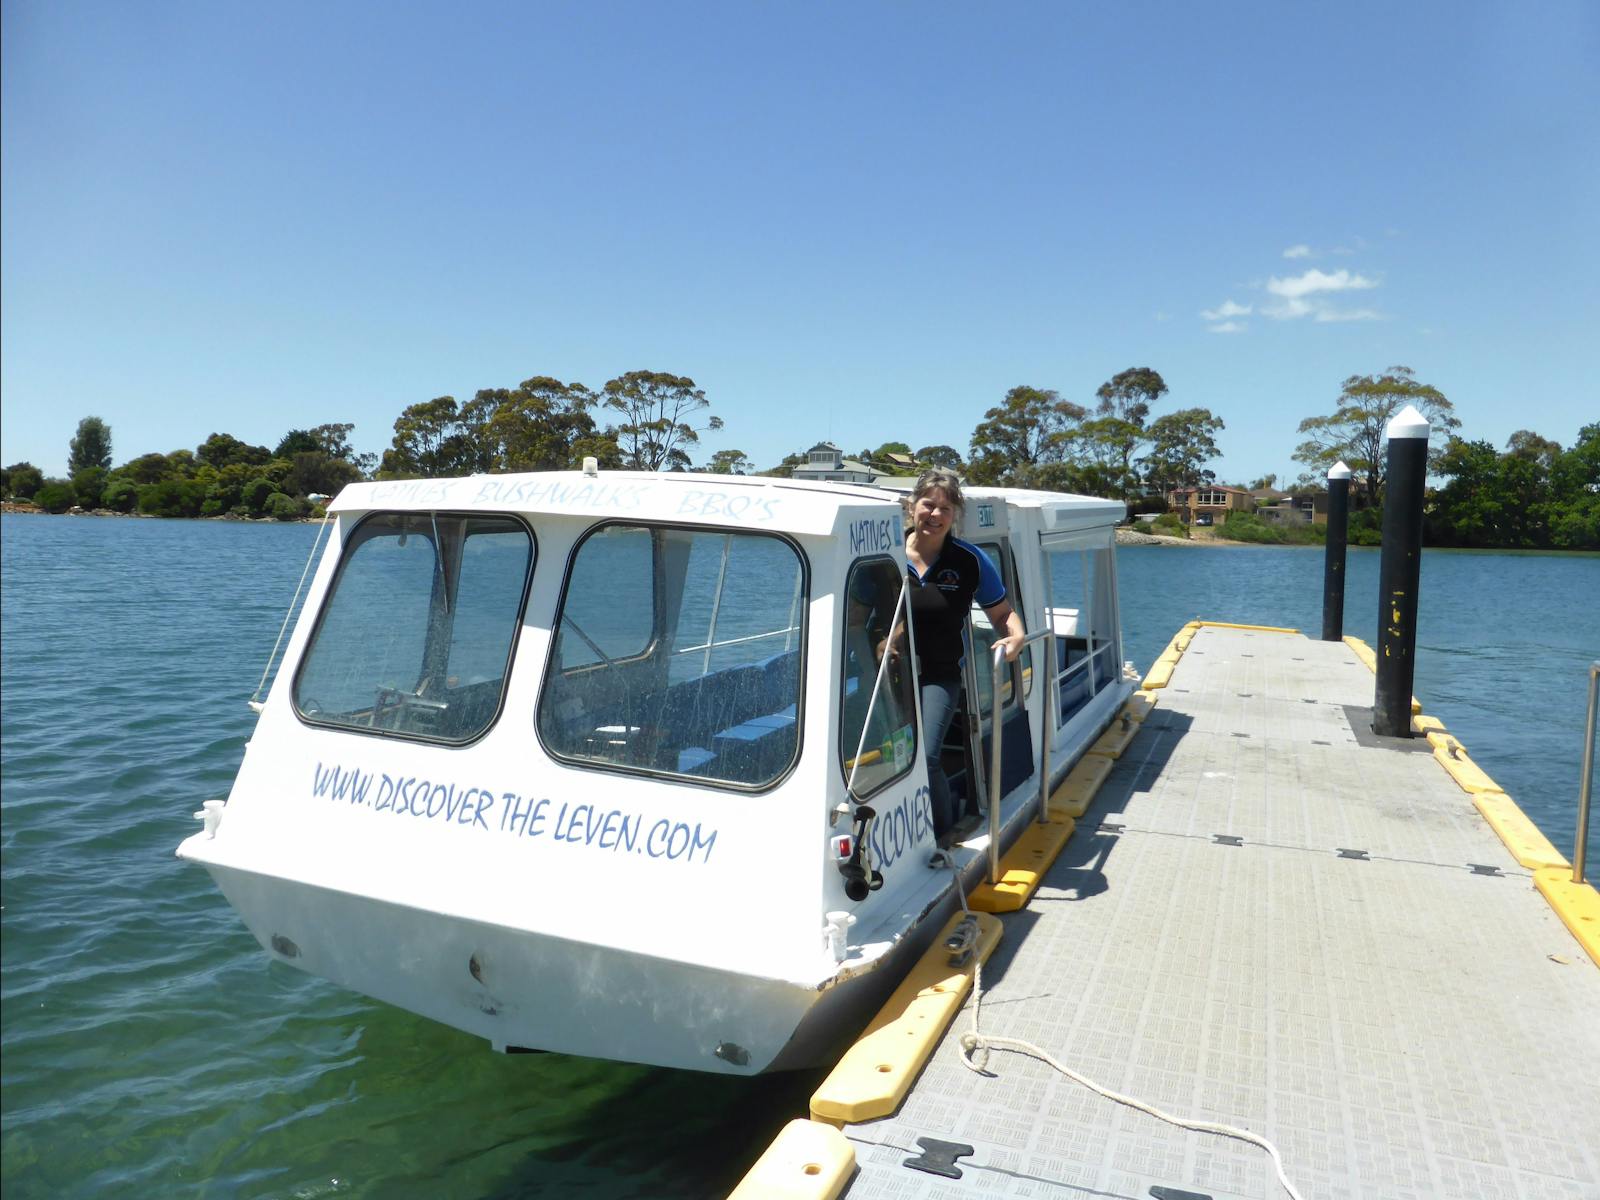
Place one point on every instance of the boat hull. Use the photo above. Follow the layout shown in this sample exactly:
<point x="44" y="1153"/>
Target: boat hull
<point x="522" y="990"/>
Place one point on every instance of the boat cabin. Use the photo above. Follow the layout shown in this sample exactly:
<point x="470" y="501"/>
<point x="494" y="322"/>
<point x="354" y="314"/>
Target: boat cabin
<point x="611" y="763"/>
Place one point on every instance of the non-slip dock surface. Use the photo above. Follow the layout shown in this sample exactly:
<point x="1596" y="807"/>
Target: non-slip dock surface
<point x="1368" y="978"/>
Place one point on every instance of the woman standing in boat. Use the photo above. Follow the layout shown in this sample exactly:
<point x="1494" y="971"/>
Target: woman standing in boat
<point x="947" y="575"/>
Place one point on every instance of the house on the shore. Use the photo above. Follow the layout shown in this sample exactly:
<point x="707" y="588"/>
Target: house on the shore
<point x="1210" y="504"/>
<point x="827" y="461"/>
<point x="1295" y="508"/>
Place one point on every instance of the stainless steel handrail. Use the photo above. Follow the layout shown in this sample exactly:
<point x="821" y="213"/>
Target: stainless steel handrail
<point x="995" y="792"/>
<point x="1586" y="783"/>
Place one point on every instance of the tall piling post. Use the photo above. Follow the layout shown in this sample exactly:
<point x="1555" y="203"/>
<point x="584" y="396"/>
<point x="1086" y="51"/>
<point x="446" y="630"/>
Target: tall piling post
<point x="1333" y="559"/>
<point x="1399" y="572"/>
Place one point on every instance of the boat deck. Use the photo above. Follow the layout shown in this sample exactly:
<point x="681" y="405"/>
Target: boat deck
<point x="1272" y="919"/>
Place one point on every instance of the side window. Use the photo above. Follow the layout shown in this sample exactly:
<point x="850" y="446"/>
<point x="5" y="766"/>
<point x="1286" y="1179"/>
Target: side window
<point x="878" y="715"/>
<point x="984" y="637"/>
<point x="677" y="652"/>
<point x="416" y="635"/>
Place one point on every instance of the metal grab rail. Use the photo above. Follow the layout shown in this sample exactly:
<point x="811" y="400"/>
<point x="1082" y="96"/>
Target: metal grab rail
<point x="1586" y="782"/>
<point x="1051" y="706"/>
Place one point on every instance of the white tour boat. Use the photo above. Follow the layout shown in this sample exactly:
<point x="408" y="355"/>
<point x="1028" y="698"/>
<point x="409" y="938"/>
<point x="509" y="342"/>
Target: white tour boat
<point x="606" y="763"/>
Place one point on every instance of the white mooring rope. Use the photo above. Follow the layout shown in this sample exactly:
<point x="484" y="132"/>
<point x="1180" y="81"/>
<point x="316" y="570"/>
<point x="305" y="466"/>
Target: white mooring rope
<point x="310" y="558"/>
<point x="976" y="1046"/>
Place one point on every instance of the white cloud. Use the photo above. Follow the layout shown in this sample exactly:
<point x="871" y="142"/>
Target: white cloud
<point x="1230" y="327"/>
<point x="1227" y="309"/>
<point x="1314" y="281"/>
<point x="1298" y="251"/>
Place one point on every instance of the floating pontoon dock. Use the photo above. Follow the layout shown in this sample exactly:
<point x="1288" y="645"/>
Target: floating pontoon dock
<point x="1269" y="918"/>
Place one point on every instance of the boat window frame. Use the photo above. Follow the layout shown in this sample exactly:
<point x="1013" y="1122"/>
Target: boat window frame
<point x="1021" y="681"/>
<point x="348" y="544"/>
<point x="656" y="773"/>
<point x="917" y="733"/>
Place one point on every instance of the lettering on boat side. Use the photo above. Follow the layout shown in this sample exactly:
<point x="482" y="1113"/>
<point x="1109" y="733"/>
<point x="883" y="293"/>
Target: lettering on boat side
<point x="875" y="535"/>
<point x="419" y="490"/>
<point x="526" y="816"/>
<point x="624" y="497"/>
<point x="733" y="508"/>
<point x="901" y="828"/>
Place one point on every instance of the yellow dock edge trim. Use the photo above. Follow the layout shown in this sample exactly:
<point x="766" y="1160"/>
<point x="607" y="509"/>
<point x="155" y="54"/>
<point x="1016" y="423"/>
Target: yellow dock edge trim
<point x="875" y="1074"/>
<point x="1078" y="789"/>
<point x="1469" y="776"/>
<point x="1528" y="845"/>
<point x="1115" y="739"/>
<point x="806" y="1161"/>
<point x="1160" y="674"/>
<point x="1363" y="652"/>
<point x="1256" y="628"/>
<point x="1577" y="904"/>
<point x="1139" y="705"/>
<point x="1023" y="867"/>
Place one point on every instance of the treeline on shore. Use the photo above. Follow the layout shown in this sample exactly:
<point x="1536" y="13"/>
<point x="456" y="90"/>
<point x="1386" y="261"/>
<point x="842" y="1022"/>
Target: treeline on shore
<point x="1534" y="494"/>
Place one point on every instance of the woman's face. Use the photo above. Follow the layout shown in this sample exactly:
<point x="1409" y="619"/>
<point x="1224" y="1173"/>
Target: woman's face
<point x="932" y="514"/>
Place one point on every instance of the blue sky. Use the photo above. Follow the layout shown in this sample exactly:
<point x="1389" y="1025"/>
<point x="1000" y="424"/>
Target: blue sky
<point x="861" y="222"/>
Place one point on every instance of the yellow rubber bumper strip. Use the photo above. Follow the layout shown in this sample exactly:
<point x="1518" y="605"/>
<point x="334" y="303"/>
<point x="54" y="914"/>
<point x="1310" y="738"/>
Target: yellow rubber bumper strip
<point x="1077" y="790"/>
<point x="1527" y="843"/>
<point x="875" y="1074"/>
<point x="1161" y="671"/>
<point x="1116" y="738"/>
<point x="1421" y="726"/>
<point x="1453" y="757"/>
<point x="1139" y="705"/>
<point x="1023" y="866"/>
<point x="1577" y="904"/>
<point x="1254" y="628"/>
<point x="1363" y="652"/>
<point x="806" y="1161"/>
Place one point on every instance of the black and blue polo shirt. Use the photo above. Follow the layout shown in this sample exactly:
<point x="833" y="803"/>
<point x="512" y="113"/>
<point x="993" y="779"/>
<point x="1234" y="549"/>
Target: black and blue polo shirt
<point x="941" y="599"/>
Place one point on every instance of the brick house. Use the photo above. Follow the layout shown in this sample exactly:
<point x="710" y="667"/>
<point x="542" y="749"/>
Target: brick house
<point x="1209" y="504"/>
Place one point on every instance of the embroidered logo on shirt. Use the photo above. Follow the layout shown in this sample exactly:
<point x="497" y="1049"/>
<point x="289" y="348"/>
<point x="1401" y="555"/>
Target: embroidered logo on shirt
<point x="948" y="580"/>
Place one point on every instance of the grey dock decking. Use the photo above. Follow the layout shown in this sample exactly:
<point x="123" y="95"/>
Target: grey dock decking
<point x="1396" y="1019"/>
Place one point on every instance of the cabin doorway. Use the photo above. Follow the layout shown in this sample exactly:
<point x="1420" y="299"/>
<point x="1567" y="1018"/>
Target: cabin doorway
<point x="971" y="735"/>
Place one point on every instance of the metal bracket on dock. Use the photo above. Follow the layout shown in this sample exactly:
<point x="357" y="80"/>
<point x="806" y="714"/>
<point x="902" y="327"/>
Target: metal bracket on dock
<point x="938" y="1158"/>
<point x="1227" y="839"/>
<point x="1359" y="855"/>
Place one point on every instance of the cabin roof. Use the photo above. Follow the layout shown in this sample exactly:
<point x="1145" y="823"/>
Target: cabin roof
<point x="786" y="505"/>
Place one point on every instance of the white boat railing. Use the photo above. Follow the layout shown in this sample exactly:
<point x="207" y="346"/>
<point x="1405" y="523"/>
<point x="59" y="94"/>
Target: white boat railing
<point x="996" y="755"/>
<point x="1586" y="782"/>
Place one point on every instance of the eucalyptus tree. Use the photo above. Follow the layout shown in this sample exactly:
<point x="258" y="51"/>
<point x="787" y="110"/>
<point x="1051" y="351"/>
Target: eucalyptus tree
<point x="657" y="411"/>
<point x="1181" y="443"/>
<point x="1031" y="428"/>
<point x="1121" y="418"/>
<point x="1354" y="431"/>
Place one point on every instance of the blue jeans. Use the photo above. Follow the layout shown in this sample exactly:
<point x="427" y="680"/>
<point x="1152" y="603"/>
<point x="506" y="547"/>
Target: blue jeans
<point x="939" y="701"/>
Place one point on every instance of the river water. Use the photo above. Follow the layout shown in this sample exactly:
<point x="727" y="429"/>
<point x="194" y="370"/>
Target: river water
<point x="151" y="1049"/>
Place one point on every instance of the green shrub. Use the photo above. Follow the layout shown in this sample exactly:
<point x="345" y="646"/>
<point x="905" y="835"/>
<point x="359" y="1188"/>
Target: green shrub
<point x="1366" y="527"/>
<point x="285" y="508"/>
<point x="22" y="480"/>
<point x="120" y="495"/>
<point x="1247" y="527"/>
<point x="1301" y="533"/>
<point x="254" y="495"/>
<point x="171" y="498"/>
<point x="89" y="483"/>
<point x="1169" y="524"/>
<point x="55" y="496"/>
